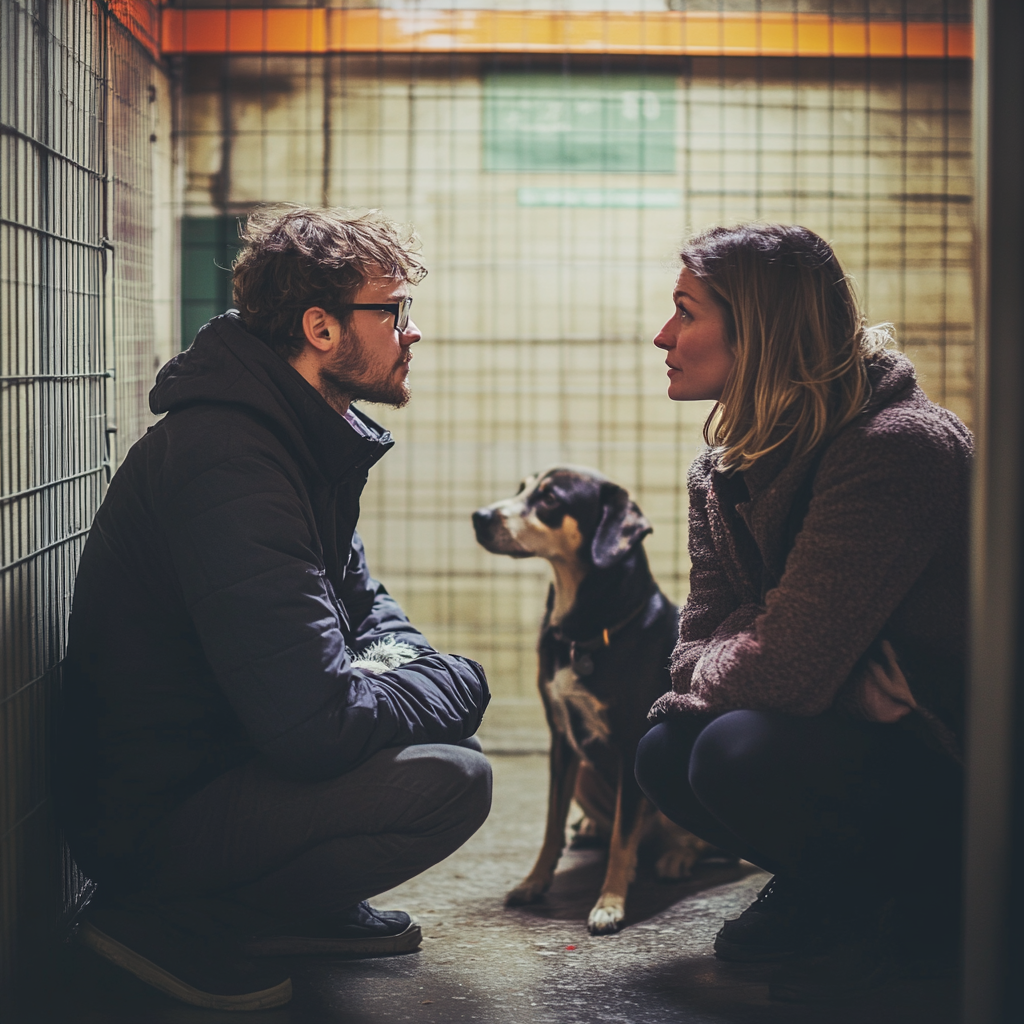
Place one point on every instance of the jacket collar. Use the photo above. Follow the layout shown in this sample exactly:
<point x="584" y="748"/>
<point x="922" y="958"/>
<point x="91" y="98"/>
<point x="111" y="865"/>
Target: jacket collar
<point x="774" y="480"/>
<point x="771" y="500"/>
<point x="228" y="365"/>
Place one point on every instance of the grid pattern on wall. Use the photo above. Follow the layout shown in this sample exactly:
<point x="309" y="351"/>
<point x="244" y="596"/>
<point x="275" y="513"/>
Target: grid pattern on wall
<point x="548" y="280"/>
<point x="77" y="334"/>
<point x="134" y="86"/>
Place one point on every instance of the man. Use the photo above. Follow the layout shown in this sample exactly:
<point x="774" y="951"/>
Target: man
<point x="254" y="739"/>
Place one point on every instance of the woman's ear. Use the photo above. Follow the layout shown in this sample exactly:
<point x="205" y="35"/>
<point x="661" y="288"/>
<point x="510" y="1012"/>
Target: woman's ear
<point x="621" y="528"/>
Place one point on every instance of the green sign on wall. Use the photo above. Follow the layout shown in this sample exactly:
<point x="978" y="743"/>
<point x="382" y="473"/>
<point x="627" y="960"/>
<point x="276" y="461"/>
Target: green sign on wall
<point x="580" y="123"/>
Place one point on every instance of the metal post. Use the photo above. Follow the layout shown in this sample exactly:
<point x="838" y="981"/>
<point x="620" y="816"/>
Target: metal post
<point x="993" y="907"/>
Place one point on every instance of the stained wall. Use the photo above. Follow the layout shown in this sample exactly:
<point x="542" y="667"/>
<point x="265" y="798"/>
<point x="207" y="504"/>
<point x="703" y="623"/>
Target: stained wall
<point x="548" y="279"/>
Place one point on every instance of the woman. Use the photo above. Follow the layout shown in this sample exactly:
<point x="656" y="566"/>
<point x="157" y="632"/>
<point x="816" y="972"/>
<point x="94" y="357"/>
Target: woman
<point x="817" y="705"/>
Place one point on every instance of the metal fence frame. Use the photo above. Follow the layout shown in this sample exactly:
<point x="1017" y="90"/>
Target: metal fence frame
<point x="76" y="341"/>
<point x="994" y="903"/>
<point x="76" y="306"/>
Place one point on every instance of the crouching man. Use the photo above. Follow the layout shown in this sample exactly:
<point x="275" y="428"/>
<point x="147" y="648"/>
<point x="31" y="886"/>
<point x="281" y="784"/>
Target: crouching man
<point x="253" y="738"/>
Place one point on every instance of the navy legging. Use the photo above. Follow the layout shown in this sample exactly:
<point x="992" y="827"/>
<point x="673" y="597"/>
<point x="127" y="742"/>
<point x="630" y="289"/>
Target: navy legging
<point x="869" y="811"/>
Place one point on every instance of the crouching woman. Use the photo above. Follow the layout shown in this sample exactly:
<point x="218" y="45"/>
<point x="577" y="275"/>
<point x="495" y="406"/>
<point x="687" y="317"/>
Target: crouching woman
<point x="817" y="705"/>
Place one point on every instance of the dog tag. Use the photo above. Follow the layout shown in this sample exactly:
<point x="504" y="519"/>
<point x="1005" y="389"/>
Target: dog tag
<point x="583" y="665"/>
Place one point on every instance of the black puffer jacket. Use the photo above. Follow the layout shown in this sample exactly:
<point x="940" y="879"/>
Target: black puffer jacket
<point x="221" y="597"/>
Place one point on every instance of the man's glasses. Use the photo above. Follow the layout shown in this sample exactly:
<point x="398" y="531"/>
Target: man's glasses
<point x="399" y="309"/>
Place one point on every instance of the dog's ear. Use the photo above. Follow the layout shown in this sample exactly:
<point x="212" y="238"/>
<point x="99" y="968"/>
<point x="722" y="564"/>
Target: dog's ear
<point x="621" y="528"/>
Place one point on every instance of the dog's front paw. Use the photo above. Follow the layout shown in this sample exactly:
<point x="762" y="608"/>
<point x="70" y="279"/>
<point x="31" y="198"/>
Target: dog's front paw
<point x="607" y="915"/>
<point x="675" y="865"/>
<point x="529" y="890"/>
<point x="588" y="835"/>
<point x="680" y="850"/>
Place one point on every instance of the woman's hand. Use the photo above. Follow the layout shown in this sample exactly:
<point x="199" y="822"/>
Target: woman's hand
<point x="883" y="692"/>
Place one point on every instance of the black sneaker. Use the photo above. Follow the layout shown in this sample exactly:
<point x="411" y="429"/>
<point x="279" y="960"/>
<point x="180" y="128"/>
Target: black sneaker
<point x="861" y="955"/>
<point x="361" y="930"/>
<point x="182" y="950"/>
<point x="777" y="925"/>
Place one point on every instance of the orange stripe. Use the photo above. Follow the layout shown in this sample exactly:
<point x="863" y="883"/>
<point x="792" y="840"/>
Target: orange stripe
<point x="367" y="30"/>
<point x="142" y="19"/>
<point x="274" y="30"/>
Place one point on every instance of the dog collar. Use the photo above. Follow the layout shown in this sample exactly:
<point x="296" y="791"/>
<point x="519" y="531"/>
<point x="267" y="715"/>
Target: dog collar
<point x="579" y="650"/>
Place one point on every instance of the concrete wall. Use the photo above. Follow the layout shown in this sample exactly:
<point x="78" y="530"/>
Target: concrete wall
<point x="537" y="319"/>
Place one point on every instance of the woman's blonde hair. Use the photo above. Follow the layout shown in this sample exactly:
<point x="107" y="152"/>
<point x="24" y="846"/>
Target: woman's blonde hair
<point x="800" y="340"/>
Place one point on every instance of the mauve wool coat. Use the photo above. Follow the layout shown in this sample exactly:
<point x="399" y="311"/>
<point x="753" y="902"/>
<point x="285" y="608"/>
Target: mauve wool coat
<point x="882" y="554"/>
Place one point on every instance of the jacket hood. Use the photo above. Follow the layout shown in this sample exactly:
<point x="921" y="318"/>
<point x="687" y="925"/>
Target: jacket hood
<point x="229" y="366"/>
<point x="889" y="374"/>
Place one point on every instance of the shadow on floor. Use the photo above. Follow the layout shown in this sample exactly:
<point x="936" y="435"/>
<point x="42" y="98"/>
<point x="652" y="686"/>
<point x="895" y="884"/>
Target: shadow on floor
<point x="700" y="988"/>
<point x="483" y="963"/>
<point x="576" y="887"/>
<point x="695" y="990"/>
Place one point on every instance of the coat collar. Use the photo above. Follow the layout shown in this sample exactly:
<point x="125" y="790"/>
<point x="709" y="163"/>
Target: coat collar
<point x="774" y="480"/>
<point x="228" y="365"/>
<point x="337" y="444"/>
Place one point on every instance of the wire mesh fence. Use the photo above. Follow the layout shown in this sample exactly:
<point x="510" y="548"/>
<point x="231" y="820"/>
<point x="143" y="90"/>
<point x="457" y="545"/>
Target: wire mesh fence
<point x="551" y="191"/>
<point x="69" y="73"/>
<point x="552" y="155"/>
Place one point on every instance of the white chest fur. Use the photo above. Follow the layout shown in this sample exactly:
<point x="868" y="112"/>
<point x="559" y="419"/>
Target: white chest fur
<point x="590" y="722"/>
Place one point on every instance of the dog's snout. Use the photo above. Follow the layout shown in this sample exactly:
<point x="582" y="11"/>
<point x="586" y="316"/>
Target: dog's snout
<point x="492" y="533"/>
<point x="483" y="518"/>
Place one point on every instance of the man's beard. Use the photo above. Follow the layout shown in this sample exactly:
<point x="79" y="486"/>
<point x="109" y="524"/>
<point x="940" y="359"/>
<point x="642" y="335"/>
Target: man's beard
<point x="349" y="378"/>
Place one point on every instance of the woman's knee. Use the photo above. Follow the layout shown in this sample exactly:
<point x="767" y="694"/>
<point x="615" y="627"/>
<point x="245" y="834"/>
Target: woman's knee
<point x="738" y="748"/>
<point x="661" y="762"/>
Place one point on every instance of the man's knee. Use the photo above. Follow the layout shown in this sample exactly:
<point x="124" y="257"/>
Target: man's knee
<point x="475" y="773"/>
<point x="456" y="780"/>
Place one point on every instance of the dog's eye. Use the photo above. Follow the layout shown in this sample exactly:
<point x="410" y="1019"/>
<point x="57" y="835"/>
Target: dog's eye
<point x="547" y="498"/>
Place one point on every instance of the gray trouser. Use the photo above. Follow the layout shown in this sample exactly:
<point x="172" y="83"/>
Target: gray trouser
<point x="301" y="850"/>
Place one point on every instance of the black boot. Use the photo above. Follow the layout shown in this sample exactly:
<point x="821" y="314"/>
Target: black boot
<point x="781" y="922"/>
<point x="866" y="942"/>
<point x="860" y="952"/>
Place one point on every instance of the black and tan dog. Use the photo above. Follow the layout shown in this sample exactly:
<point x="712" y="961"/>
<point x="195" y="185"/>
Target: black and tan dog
<point x="604" y="651"/>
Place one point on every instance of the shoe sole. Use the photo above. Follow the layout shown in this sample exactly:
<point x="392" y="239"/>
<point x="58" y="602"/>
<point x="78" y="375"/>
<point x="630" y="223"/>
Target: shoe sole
<point x="794" y="993"/>
<point x="301" y="945"/>
<point x="809" y="984"/>
<point x="738" y="953"/>
<point x="159" y="978"/>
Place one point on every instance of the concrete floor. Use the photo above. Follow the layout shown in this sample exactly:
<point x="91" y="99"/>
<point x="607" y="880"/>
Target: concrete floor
<point x="483" y="963"/>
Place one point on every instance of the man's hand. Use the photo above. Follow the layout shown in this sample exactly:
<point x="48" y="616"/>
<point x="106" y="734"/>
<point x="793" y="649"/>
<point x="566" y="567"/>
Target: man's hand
<point x="883" y="692"/>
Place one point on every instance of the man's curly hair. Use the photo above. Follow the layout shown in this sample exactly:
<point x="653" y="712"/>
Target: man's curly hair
<point x="301" y="257"/>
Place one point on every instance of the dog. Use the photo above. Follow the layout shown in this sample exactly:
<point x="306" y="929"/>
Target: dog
<point x="603" y="653"/>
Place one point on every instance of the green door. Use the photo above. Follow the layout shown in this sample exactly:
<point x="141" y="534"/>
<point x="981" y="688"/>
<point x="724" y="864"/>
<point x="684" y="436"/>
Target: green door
<point x="208" y="245"/>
